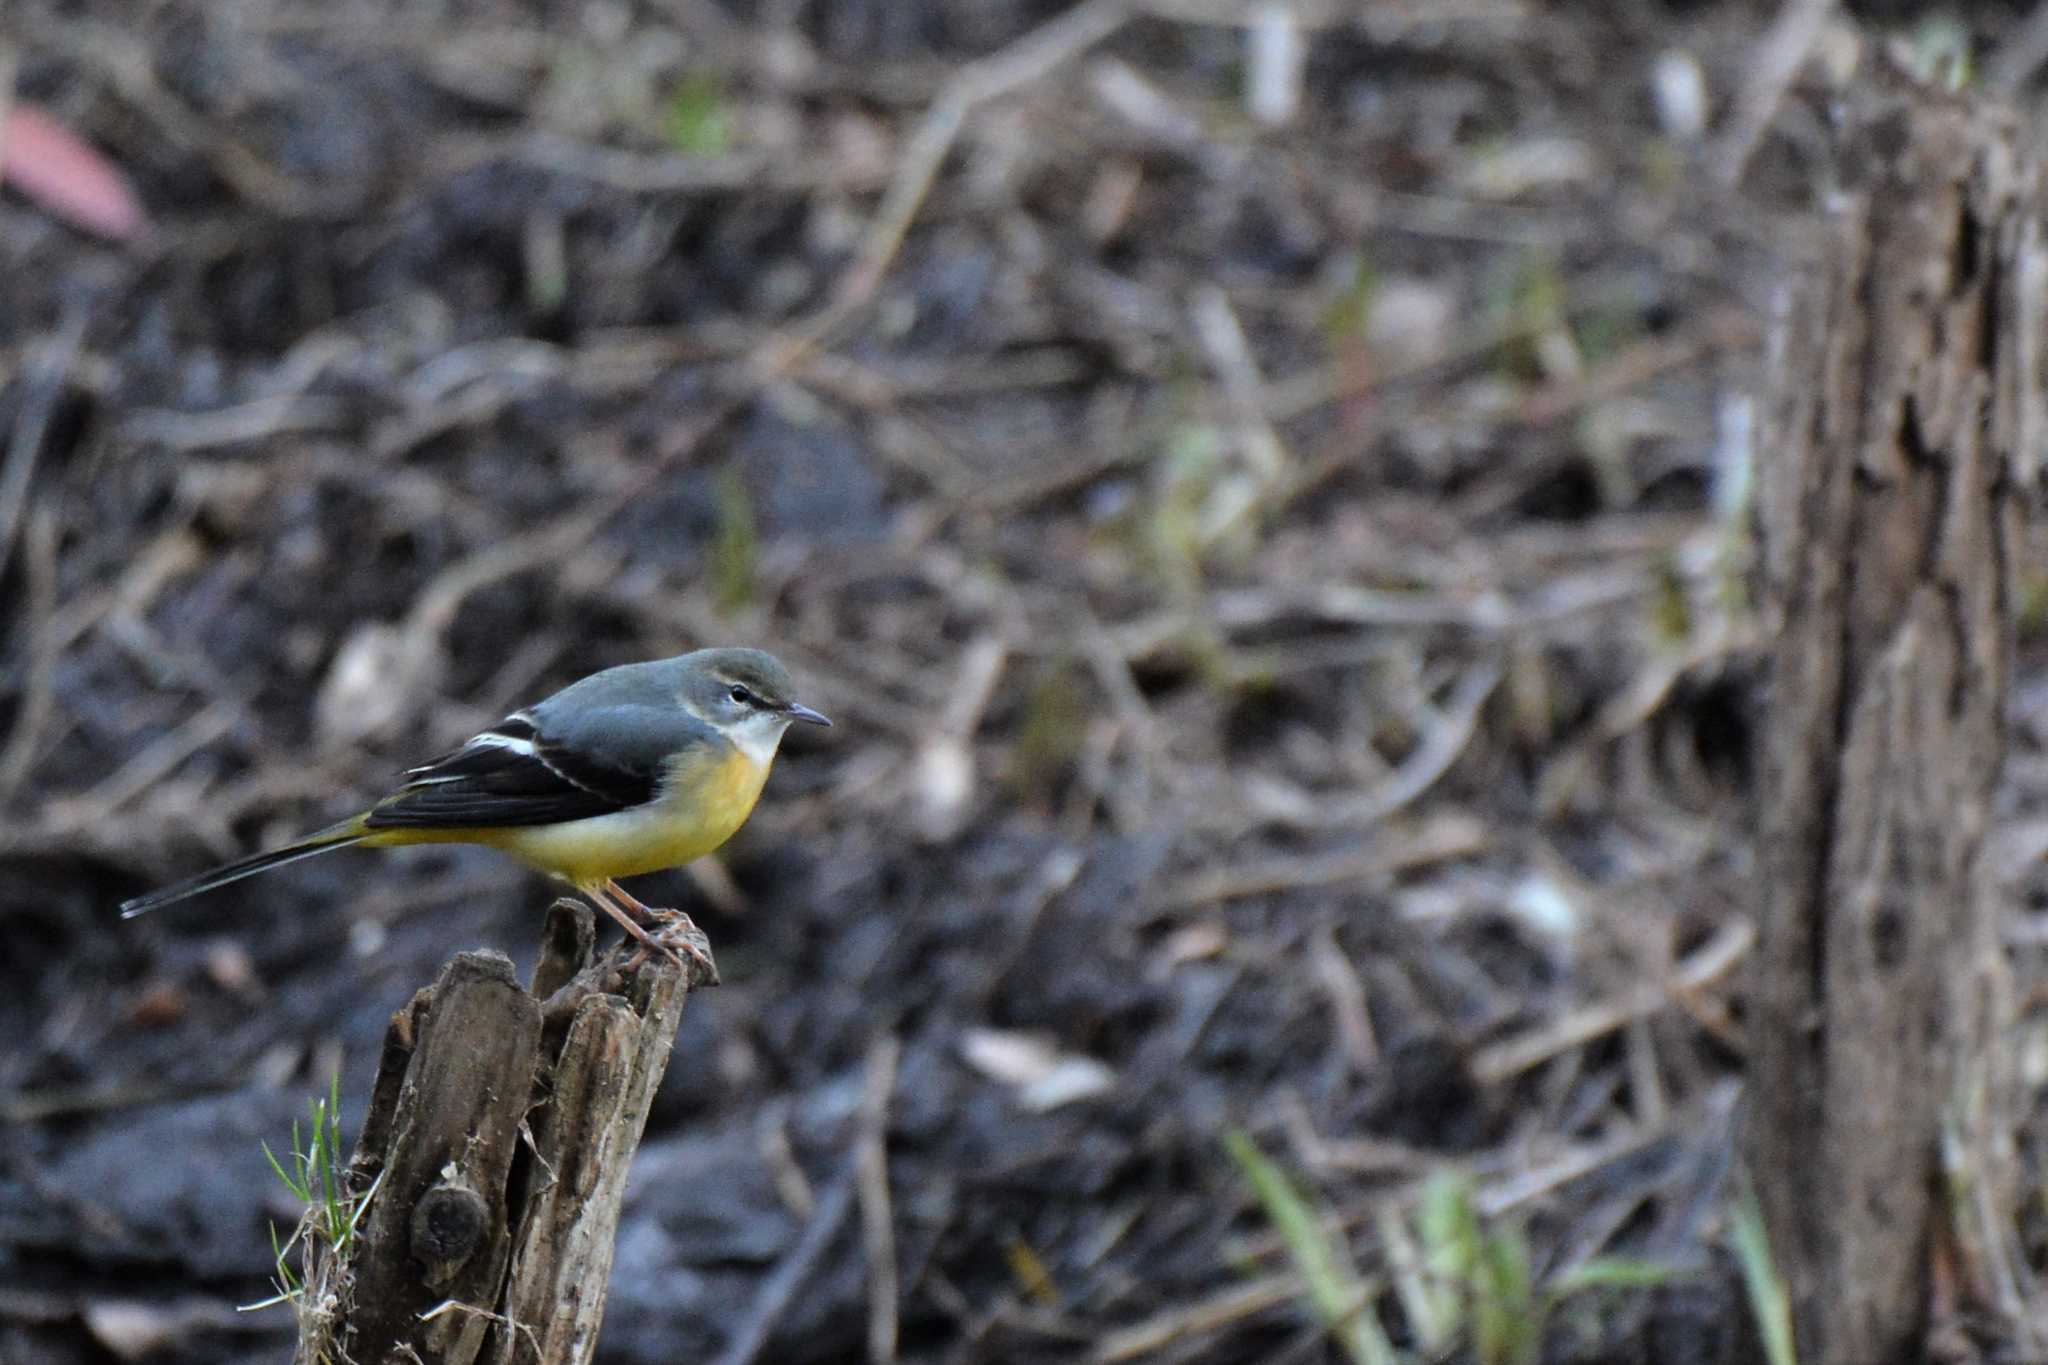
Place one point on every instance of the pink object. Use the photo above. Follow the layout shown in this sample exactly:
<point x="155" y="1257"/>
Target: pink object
<point x="65" y="175"/>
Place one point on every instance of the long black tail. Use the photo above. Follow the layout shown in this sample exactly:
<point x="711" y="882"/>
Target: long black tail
<point x="335" y="836"/>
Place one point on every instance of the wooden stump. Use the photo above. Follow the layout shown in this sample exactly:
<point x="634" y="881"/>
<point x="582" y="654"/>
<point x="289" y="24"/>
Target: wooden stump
<point x="497" y="1142"/>
<point x="1903" y="427"/>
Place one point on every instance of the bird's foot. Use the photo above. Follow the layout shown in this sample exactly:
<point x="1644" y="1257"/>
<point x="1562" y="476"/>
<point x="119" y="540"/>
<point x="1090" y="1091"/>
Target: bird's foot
<point x="672" y="935"/>
<point x="676" y="936"/>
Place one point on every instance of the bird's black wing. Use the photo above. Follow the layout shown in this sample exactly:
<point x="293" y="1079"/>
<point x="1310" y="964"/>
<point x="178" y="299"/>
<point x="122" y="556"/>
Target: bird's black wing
<point x="524" y="772"/>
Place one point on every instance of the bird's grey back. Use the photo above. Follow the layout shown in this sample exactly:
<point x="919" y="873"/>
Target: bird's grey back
<point x="654" y="683"/>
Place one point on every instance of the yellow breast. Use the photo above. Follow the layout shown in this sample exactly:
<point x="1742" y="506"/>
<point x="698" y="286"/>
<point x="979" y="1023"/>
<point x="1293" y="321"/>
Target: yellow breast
<point x="703" y="801"/>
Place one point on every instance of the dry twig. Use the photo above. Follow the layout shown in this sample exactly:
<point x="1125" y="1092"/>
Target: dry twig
<point x="45" y="385"/>
<point x="876" y="1222"/>
<point x="782" y="1283"/>
<point x="32" y="716"/>
<point x="1029" y="59"/>
<point x="1710" y="962"/>
<point x="1777" y="57"/>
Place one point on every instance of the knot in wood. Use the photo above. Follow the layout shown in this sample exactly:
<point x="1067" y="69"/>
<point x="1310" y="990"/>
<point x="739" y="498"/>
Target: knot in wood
<point x="448" y="1225"/>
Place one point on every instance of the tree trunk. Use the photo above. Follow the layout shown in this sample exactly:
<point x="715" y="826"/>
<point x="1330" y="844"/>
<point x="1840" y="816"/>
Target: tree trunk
<point x="1904" y="422"/>
<point x="497" y="1142"/>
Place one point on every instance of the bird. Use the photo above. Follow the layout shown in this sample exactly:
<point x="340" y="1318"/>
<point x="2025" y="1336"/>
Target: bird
<point x="633" y="769"/>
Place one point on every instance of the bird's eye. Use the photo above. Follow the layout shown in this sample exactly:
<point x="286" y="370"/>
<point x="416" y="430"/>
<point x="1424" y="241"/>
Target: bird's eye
<point x="740" y="694"/>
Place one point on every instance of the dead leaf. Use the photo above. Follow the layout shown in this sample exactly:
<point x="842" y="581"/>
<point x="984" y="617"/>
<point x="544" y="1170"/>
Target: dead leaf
<point x="1043" y="1077"/>
<point x="134" y="1331"/>
<point x="67" y="177"/>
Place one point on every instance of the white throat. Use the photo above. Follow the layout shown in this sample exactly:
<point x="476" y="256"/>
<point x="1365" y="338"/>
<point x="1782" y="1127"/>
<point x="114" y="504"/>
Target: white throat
<point x="758" y="735"/>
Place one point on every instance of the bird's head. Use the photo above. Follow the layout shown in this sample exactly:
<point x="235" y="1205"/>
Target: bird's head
<point x="746" y="694"/>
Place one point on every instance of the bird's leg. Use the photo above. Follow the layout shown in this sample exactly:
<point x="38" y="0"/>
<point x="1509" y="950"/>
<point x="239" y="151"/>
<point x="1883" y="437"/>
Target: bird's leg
<point x="661" y="921"/>
<point x="647" y="914"/>
<point x="648" y="943"/>
<point x="672" y="930"/>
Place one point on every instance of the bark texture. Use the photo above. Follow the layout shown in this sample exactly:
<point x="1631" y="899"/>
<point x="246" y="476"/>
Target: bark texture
<point x="498" y="1137"/>
<point x="1903" y="423"/>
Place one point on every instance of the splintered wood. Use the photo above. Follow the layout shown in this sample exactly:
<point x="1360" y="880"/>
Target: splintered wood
<point x="497" y="1142"/>
<point x="1905" y="424"/>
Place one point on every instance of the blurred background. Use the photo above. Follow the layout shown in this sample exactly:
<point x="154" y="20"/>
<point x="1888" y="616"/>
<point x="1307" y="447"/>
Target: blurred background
<point x="1263" y="491"/>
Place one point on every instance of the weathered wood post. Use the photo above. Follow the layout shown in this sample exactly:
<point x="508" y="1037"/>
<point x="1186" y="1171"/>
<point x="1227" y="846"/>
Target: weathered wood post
<point x="1903" y="428"/>
<point x="497" y="1140"/>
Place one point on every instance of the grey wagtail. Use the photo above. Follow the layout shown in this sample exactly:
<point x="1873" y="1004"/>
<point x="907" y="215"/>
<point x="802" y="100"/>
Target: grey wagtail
<point x="637" y="768"/>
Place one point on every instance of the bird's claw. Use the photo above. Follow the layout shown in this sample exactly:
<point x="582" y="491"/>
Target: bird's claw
<point x="678" y="938"/>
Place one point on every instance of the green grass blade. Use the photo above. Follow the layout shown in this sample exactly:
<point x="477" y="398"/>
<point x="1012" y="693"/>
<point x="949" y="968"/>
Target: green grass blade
<point x="1610" y="1272"/>
<point x="299" y="1191"/>
<point x="1432" y="1313"/>
<point x="1335" y="1292"/>
<point x="1507" y="1323"/>
<point x="1768" y="1297"/>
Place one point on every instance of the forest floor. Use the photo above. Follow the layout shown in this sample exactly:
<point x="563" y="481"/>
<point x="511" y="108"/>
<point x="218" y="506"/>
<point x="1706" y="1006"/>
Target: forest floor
<point x="1272" y="538"/>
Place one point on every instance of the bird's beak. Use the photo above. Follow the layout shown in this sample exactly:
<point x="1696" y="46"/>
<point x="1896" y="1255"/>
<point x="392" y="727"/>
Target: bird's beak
<point x="798" y="711"/>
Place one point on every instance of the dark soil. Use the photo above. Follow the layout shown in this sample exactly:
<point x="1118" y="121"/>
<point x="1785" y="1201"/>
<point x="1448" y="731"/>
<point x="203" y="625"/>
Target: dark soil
<point x="1289" y="656"/>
